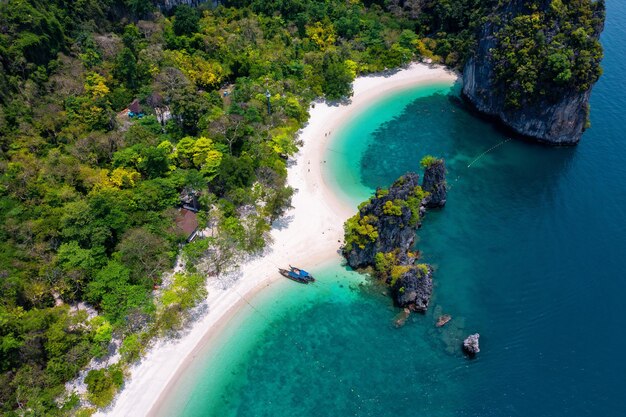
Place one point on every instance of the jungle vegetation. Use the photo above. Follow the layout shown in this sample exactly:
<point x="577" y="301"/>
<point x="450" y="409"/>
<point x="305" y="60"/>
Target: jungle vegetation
<point x="89" y="195"/>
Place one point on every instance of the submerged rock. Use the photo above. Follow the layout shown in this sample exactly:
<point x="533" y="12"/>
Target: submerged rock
<point x="434" y="182"/>
<point x="401" y="317"/>
<point x="471" y="345"/>
<point x="443" y="320"/>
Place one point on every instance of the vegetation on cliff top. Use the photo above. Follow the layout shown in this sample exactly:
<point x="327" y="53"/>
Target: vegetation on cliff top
<point x="548" y="50"/>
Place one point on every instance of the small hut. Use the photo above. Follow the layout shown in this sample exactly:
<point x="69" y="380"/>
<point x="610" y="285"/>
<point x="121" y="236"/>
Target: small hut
<point x="134" y="109"/>
<point x="187" y="223"/>
<point x="189" y="199"/>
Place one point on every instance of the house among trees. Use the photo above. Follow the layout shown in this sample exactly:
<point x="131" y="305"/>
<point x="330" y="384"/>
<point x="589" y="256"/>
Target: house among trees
<point x="133" y="110"/>
<point x="187" y="223"/>
<point x="187" y="218"/>
<point x="189" y="199"/>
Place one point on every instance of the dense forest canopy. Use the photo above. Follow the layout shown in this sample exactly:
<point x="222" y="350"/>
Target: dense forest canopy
<point x="548" y="50"/>
<point x="89" y="193"/>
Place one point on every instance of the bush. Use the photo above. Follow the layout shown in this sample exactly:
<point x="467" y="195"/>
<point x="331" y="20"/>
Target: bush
<point x="131" y="348"/>
<point x="428" y="160"/>
<point x="102" y="384"/>
<point x="360" y="231"/>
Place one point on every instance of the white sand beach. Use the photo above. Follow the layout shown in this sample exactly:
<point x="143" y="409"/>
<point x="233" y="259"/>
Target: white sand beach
<point x="312" y="236"/>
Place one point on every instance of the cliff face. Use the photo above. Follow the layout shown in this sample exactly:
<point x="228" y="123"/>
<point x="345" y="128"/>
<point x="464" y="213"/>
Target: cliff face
<point x="414" y="288"/>
<point x="559" y="121"/>
<point x="434" y="183"/>
<point x="169" y="4"/>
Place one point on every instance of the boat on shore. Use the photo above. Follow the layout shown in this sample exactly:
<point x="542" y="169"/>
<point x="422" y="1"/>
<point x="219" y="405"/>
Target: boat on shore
<point x="297" y="274"/>
<point x="302" y="273"/>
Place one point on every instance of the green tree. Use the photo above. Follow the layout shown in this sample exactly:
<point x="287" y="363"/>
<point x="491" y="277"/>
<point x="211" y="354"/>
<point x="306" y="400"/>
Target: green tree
<point x="338" y="78"/>
<point x="145" y="254"/>
<point x="186" y="20"/>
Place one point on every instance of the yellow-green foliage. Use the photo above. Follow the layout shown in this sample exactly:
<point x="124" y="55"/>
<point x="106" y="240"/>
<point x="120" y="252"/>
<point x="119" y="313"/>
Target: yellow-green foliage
<point x="423" y="269"/>
<point x="384" y="262"/>
<point x="360" y="231"/>
<point x="102" y="384"/>
<point x="382" y="192"/>
<point x="283" y="142"/>
<point x="414" y="203"/>
<point x="203" y="73"/>
<point x="428" y="160"/>
<point x="393" y="208"/>
<point x="322" y="35"/>
<point x="186" y="290"/>
<point x="85" y="412"/>
<point x="132" y="347"/>
<point x="365" y="203"/>
<point x="397" y="271"/>
<point x="388" y="269"/>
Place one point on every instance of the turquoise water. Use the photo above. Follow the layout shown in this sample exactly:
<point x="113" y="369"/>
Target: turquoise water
<point x="529" y="252"/>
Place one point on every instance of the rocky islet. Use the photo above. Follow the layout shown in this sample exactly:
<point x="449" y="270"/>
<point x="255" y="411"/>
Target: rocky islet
<point x="382" y="234"/>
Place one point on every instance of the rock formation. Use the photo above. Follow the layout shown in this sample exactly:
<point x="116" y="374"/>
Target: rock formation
<point x="414" y="288"/>
<point x="381" y="235"/>
<point x="169" y="4"/>
<point x="470" y="344"/>
<point x="443" y="320"/>
<point x="434" y="182"/>
<point x="385" y="223"/>
<point x="553" y="112"/>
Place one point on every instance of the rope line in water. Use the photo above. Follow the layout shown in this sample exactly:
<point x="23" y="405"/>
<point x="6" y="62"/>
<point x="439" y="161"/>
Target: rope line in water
<point x="489" y="150"/>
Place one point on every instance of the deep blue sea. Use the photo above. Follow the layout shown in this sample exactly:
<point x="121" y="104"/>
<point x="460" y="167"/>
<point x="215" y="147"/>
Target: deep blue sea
<point x="529" y="252"/>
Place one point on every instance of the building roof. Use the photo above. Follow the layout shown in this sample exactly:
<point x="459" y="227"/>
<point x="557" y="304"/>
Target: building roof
<point x="134" y="106"/>
<point x="187" y="221"/>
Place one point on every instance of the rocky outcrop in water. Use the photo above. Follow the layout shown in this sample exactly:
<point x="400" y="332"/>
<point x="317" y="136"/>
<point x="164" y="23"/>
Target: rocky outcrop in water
<point x="385" y="223"/>
<point x="434" y="183"/>
<point x="555" y="112"/>
<point x="414" y="288"/>
<point x="443" y="320"/>
<point x="471" y="345"/>
<point x="381" y="235"/>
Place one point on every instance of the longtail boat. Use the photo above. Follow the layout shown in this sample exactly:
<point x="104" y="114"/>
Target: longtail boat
<point x="293" y="276"/>
<point x="302" y="273"/>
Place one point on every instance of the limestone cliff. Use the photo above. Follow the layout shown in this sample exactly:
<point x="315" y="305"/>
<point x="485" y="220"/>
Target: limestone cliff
<point x="540" y="85"/>
<point x="169" y="4"/>
<point x="381" y="235"/>
<point x="434" y="182"/>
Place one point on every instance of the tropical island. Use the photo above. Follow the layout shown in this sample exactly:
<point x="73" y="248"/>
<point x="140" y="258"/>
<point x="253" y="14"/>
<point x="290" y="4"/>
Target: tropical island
<point x="130" y="129"/>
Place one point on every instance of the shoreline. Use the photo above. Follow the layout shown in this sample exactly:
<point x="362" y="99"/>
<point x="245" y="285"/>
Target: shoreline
<point x="309" y="235"/>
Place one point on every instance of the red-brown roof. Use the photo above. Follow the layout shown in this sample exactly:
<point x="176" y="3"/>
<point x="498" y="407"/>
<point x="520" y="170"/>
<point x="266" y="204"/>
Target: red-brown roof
<point x="187" y="221"/>
<point x="134" y="106"/>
